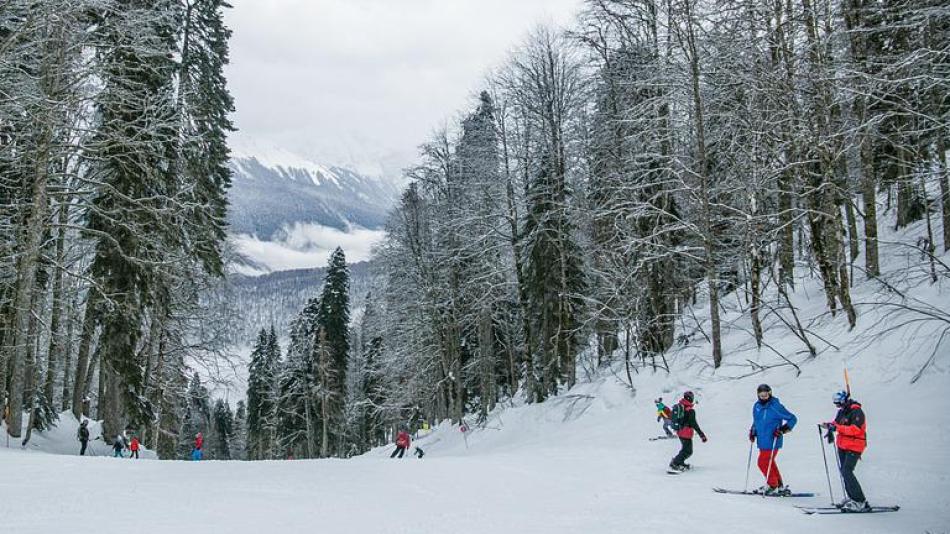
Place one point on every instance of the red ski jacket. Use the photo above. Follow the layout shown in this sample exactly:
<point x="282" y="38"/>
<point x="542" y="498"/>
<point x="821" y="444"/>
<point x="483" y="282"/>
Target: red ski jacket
<point x="199" y="441"/>
<point x="402" y="440"/>
<point x="134" y="446"/>
<point x="852" y="428"/>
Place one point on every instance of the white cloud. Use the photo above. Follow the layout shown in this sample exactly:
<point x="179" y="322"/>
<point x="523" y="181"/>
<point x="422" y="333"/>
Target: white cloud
<point x="359" y="82"/>
<point x="307" y="245"/>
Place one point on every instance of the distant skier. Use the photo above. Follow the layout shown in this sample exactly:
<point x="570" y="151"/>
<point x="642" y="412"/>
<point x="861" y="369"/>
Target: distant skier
<point x="770" y="422"/>
<point x="684" y="420"/>
<point x="196" y="453"/>
<point x="402" y="444"/>
<point x="419" y="452"/>
<point x="83" y="436"/>
<point x="664" y="414"/>
<point x="134" y="448"/>
<point x="852" y="440"/>
<point x="118" y="444"/>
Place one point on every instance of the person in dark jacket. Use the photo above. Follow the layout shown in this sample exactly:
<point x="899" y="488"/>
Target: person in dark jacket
<point x="770" y="421"/>
<point x="83" y="436"/>
<point x="851" y="442"/>
<point x="687" y="427"/>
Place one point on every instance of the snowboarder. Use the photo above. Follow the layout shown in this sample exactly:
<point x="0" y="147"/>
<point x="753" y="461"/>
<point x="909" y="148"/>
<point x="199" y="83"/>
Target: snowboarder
<point x="419" y="452"/>
<point x="118" y="444"/>
<point x="851" y="442"/>
<point x="196" y="453"/>
<point x="402" y="444"/>
<point x="664" y="414"/>
<point x="684" y="420"/>
<point x="134" y="448"/>
<point x="83" y="436"/>
<point x="770" y="422"/>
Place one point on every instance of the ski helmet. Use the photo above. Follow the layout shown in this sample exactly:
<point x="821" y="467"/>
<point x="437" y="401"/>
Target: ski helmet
<point x="840" y="397"/>
<point x="764" y="387"/>
<point x="688" y="396"/>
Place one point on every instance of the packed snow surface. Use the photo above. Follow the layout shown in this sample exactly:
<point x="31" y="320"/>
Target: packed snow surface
<point x="579" y="463"/>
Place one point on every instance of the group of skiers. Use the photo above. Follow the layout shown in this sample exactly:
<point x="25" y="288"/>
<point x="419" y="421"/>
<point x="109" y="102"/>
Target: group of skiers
<point x="124" y="441"/>
<point x="403" y="441"/>
<point x="770" y="422"/>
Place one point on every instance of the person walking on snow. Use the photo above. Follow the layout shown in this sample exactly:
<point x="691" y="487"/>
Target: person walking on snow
<point x="770" y="422"/>
<point x="851" y="442"/>
<point x="687" y="426"/>
<point x="664" y="414"/>
<point x="134" y="447"/>
<point x="402" y="444"/>
<point x="196" y="453"/>
<point x="83" y="436"/>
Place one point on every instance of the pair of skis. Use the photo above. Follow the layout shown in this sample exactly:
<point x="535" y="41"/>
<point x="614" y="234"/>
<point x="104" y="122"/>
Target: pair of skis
<point x="812" y="509"/>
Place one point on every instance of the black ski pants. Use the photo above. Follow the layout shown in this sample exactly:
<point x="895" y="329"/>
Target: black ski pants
<point x="82" y="450"/>
<point x="686" y="450"/>
<point x="134" y="454"/>
<point x="399" y="450"/>
<point x="849" y="460"/>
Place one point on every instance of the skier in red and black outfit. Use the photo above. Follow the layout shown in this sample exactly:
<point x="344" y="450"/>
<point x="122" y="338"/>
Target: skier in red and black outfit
<point x="851" y="442"/>
<point x="687" y="426"/>
<point x="402" y="443"/>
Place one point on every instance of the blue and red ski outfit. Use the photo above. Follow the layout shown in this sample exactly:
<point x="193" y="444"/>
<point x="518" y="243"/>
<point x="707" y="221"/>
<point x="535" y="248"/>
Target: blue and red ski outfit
<point x="770" y="421"/>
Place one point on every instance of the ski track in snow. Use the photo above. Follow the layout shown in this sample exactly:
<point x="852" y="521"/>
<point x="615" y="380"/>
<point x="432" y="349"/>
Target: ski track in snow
<point x="579" y="463"/>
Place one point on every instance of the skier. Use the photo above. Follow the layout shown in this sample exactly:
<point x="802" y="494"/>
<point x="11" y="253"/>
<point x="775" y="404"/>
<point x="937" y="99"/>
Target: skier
<point x="686" y="425"/>
<point x="851" y="442"/>
<point x="134" y="448"/>
<point x="196" y="453"/>
<point x="83" y="436"/>
<point x="117" y="445"/>
<point x="402" y="443"/>
<point x="419" y="452"/>
<point x="664" y="414"/>
<point x="770" y="421"/>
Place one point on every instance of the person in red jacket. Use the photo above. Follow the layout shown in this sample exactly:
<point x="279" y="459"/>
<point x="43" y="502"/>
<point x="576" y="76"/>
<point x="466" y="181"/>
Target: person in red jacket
<point x="134" y="448"/>
<point x="402" y="443"/>
<point x="686" y="425"/>
<point x="196" y="453"/>
<point x="851" y="427"/>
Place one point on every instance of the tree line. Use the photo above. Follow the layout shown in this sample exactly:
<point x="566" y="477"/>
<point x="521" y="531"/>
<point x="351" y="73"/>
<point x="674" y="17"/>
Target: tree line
<point x="113" y="180"/>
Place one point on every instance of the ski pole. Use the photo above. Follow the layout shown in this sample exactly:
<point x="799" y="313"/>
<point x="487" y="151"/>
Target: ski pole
<point x="824" y="458"/>
<point x="768" y="472"/>
<point x="748" y="466"/>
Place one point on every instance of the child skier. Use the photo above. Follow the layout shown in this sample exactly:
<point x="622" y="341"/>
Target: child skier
<point x="684" y="418"/>
<point x="83" y="436"/>
<point x="134" y="448"/>
<point x="402" y="444"/>
<point x="664" y="414"/>
<point x="770" y="422"/>
<point x="117" y="446"/>
<point x="852" y="440"/>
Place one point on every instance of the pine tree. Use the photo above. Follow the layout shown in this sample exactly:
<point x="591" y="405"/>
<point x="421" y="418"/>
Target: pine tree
<point x="332" y="346"/>
<point x="223" y="425"/>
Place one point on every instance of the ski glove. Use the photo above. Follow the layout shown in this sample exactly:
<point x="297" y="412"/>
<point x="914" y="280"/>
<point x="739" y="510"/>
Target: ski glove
<point x="703" y="437"/>
<point x="784" y="429"/>
<point x="751" y="435"/>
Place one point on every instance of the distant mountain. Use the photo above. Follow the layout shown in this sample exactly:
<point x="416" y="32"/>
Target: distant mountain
<point x="269" y="194"/>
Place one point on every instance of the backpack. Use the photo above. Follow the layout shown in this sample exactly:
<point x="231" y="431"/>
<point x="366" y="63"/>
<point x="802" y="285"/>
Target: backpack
<point x="678" y="416"/>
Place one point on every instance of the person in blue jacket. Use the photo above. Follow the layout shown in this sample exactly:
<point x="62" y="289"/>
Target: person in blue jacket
<point x="770" y="421"/>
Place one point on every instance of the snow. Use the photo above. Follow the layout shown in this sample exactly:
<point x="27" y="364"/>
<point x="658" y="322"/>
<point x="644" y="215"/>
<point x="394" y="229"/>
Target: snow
<point x="580" y="462"/>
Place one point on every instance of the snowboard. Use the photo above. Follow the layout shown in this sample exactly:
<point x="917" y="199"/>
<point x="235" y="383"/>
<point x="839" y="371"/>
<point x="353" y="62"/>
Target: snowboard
<point x="677" y="472"/>
<point x="740" y="492"/>
<point x="836" y="510"/>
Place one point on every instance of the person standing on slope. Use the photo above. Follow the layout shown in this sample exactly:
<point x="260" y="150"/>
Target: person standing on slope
<point x="118" y="444"/>
<point x="851" y="442"/>
<point x="402" y="443"/>
<point x="196" y="453"/>
<point x="684" y="419"/>
<point x="134" y="448"/>
<point x="83" y="436"/>
<point x="664" y="414"/>
<point x="770" y="422"/>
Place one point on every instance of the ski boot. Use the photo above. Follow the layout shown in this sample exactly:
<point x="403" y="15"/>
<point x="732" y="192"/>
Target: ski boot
<point x="853" y="506"/>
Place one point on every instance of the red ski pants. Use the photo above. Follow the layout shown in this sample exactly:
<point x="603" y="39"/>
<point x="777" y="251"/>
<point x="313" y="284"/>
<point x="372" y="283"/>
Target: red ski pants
<point x="766" y="457"/>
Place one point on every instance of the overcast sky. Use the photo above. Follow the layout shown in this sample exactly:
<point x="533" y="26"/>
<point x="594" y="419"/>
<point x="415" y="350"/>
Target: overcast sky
<point x="362" y="82"/>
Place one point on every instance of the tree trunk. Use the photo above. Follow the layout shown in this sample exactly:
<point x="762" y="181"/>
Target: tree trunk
<point x="83" y="367"/>
<point x="944" y="180"/>
<point x="56" y="321"/>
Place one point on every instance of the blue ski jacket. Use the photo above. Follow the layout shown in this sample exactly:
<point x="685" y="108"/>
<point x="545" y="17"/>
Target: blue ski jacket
<point x="767" y="417"/>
